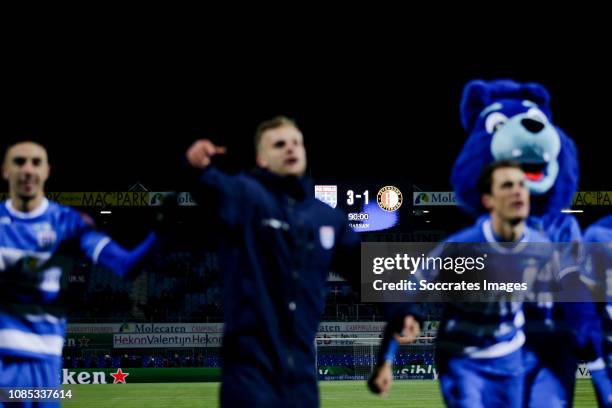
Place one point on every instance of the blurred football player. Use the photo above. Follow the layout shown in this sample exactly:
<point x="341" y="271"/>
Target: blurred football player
<point x="33" y="233"/>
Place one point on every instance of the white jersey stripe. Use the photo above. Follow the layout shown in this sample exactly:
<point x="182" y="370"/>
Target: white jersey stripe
<point x="10" y="256"/>
<point x="45" y="317"/>
<point x="99" y="247"/>
<point x="49" y="344"/>
<point x="497" y="350"/>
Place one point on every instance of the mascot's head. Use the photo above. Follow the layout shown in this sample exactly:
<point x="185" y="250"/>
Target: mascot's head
<point x="510" y="120"/>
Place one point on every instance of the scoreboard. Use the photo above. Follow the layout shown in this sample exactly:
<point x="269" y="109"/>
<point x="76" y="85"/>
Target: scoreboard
<point x="369" y="207"/>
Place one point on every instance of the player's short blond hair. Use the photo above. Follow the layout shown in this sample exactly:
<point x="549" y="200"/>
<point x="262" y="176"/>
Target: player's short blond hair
<point x="273" y="123"/>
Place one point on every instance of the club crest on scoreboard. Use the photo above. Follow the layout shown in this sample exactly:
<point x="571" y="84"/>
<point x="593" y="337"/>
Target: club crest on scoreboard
<point x="328" y="194"/>
<point x="389" y="198"/>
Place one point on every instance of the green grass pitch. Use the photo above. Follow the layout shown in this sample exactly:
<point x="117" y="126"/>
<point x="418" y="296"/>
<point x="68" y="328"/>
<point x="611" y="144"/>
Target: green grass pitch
<point x="334" y="394"/>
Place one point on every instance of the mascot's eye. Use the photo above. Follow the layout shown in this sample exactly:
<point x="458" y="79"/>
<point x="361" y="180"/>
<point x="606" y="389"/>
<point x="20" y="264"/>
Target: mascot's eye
<point x="535" y="113"/>
<point x="494" y="121"/>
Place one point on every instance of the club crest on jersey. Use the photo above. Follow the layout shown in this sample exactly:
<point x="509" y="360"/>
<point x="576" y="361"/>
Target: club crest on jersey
<point x="327" y="236"/>
<point x="45" y="235"/>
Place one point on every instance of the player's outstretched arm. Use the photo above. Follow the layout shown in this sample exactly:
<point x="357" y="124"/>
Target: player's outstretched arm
<point x="381" y="379"/>
<point x="125" y="262"/>
<point x="396" y="333"/>
<point x="200" y="153"/>
<point x="102" y="249"/>
<point x="217" y="192"/>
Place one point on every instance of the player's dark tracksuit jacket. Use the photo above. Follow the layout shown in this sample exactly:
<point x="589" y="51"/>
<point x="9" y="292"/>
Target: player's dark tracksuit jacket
<point x="278" y="245"/>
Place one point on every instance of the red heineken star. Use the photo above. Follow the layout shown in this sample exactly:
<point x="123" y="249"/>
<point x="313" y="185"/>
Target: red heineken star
<point x="119" y="376"/>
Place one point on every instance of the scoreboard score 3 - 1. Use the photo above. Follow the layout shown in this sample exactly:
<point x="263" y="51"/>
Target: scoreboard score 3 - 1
<point x="369" y="207"/>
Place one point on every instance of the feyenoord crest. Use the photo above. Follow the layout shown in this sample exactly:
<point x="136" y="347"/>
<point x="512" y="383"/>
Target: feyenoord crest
<point x="327" y="236"/>
<point x="389" y="198"/>
<point x="327" y="194"/>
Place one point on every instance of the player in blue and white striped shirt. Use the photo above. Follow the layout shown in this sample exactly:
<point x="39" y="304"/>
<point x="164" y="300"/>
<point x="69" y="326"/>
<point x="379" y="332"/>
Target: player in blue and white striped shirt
<point x="597" y="271"/>
<point x="479" y="344"/>
<point x="33" y="232"/>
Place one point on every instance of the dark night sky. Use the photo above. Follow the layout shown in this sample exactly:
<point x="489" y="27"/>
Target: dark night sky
<point x="369" y="107"/>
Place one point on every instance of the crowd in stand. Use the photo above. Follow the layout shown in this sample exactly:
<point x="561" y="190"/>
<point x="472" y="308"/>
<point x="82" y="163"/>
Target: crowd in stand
<point x="142" y="359"/>
<point x="184" y="286"/>
<point x="174" y="359"/>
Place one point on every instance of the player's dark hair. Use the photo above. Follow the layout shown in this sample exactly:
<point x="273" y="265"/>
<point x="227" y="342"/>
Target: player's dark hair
<point x="485" y="181"/>
<point x="15" y="140"/>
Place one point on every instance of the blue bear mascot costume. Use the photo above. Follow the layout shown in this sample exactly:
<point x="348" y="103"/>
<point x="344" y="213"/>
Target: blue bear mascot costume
<point x="510" y="120"/>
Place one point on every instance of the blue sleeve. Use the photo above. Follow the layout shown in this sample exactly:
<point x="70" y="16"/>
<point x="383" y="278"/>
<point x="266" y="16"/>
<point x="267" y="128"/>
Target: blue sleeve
<point x="591" y="268"/>
<point x="606" y="224"/>
<point x="101" y="249"/>
<point x="565" y="230"/>
<point x="389" y="356"/>
<point x="82" y="227"/>
<point x="125" y="262"/>
<point x="92" y="242"/>
<point x="388" y="346"/>
<point x="597" y="255"/>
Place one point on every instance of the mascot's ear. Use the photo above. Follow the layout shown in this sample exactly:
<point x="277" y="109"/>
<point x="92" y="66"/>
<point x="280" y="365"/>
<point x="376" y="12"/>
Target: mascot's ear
<point x="476" y="96"/>
<point x="538" y="94"/>
<point x="479" y="94"/>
